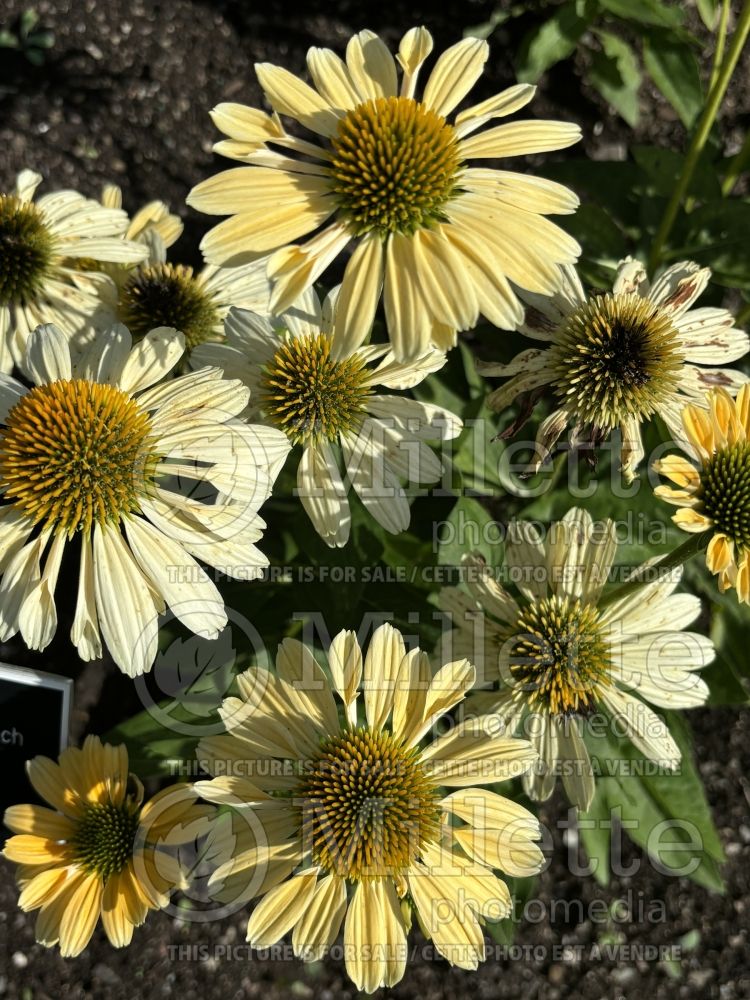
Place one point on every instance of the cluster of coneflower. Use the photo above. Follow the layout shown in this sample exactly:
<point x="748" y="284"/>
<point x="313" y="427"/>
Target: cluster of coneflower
<point x="147" y="410"/>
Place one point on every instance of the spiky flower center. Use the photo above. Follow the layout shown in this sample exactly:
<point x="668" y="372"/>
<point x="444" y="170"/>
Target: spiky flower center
<point x="74" y="452"/>
<point x="169" y="295"/>
<point x="26" y="249"/>
<point x="559" y="656"/>
<point x="308" y="394"/>
<point x="103" y="843"/>
<point x="617" y="356"/>
<point x="394" y="165"/>
<point x="725" y="488"/>
<point x="368" y="806"/>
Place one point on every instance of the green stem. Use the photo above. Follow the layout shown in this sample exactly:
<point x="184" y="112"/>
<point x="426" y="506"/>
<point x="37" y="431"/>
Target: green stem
<point x="721" y="37"/>
<point x="700" y="136"/>
<point x="737" y="164"/>
<point x="646" y="574"/>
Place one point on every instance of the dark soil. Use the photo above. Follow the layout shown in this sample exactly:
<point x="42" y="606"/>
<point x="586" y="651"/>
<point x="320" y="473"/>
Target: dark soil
<point x="123" y="96"/>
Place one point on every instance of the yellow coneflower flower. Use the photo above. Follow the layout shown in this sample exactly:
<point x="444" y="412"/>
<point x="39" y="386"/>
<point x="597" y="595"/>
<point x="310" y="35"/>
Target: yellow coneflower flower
<point x="443" y="240"/>
<point x="559" y="653"/>
<point x="99" y="852"/>
<point x="343" y="818"/>
<point x="41" y="243"/>
<point x="714" y="495"/>
<point x="147" y="473"/>
<point x="616" y="359"/>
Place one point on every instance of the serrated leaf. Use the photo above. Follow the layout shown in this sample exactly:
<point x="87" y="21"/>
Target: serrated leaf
<point x="615" y="73"/>
<point x="674" y="69"/>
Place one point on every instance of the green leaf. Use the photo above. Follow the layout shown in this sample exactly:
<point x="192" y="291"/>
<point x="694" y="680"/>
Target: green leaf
<point x="665" y="814"/>
<point x="553" y="40"/>
<point x="603" y="241"/>
<point x="476" y="455"/>
<point x="663" y="166"/>
<point x="615" y="73"/>
<point x="42" y="39"/>
<point x="708" y="9"/>
<point x="521" y="891"/>
<point x="485" y="29"/>
<point x="715" y="234"/>
<point x="594" y="828"/>
<point x="674" y="70"/>
<point x="645" y="12"/>
<point x="27" y="21"/>
<point x="469" y="528"/>
<point x="729" y="631"/>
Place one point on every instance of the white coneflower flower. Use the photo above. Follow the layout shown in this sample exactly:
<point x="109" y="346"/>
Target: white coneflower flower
<point x="306" y="380"/>
<point x="713" y="493"/>
<point x="339" y="818"/>
<point x="616" y="359"/>
<point x="561" y="654"/>
<point x="41" y="243"/>
<point x="148" y="474"/>
<point x="443" y="240"/>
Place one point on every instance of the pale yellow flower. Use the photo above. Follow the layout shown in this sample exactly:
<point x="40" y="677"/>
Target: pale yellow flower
<point x="330" y="401"/>
<point x="100" y="851"/>
<point x="713" y="493"/>
<point x="42" y="243"/>
<point x="147" y="472"/>
<point x="159" y="292"/>
<point x="558" y="653"/>
<point x="340" y="819"/>
<point x="389" y="175"/>
<point x="614" y="360"/>
<point x="152" y="218"/>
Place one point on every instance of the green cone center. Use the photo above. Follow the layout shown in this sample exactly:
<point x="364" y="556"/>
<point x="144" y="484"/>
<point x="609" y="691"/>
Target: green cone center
<point x="308" y="394"/>
<point x="559" y="657"/>
<point x="26" y="249"/>
<point x="725" y="487"/>
<point x="104" y="838"/>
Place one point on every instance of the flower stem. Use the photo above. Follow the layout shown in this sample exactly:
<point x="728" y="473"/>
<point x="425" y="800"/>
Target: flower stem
<point x="700" y="136"/>
<point x="648" y="573"/>
<point x="721" y="37"/>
